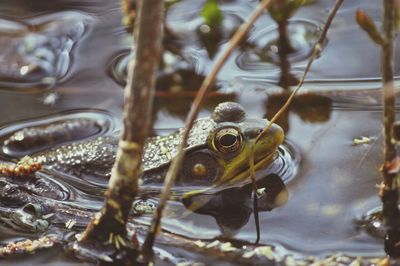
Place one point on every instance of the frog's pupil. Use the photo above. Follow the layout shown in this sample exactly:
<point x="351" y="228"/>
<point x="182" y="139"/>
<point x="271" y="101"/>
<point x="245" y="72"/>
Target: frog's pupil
<point x="228" y="140"/>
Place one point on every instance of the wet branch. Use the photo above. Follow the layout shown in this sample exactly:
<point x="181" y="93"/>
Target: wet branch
<point x="176" y="162"/>
<point x="110" y="224"/>
<point x="389" y="188"/>
<point x="389" y="194"/>
<point x="389" y="151"/>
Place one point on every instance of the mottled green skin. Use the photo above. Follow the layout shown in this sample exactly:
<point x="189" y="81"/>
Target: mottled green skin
<point x="98" y="155"/>
<point x="95" y="157"/>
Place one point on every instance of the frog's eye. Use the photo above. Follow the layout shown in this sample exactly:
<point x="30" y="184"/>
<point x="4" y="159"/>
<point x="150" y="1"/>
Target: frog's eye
<point x="228" y="140"/>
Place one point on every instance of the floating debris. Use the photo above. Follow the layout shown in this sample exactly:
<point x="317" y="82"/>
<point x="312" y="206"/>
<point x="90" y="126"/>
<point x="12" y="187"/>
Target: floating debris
<point x="50" y="98"/>
<point x="190" y="263"/>
<point x="200" y="243"/>
<point x="362" y="140"/>
<point x="265" y="251"/>
<point x="70" y="223"/>
<point x="26" y="166"/>
<point x="141" y="207"/>
<point x="227" y="247"/>
<point x="248" y="254"/>
<point x="28" y="246"/>
<point x="213" y="244"/>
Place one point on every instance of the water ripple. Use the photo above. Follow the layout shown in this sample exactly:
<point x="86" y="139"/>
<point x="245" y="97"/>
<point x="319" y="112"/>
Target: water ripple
<point x="28" y="137"/>
<point x="261" y="52"/>
<point x="37" y="52"/>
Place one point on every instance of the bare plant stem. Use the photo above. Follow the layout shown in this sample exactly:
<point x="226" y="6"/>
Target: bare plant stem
<point x="110" y="225"/>
<point x="316" y="51"/>
<point x="283" y="41"/>
<point x="389" y="194"/>
<point x="176" y="162"/>
<point x="285" y="47"/>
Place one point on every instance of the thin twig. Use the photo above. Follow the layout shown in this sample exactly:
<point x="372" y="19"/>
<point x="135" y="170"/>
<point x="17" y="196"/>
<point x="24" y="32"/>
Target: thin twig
<point x="316" y="51"/>
<point x="176" y="162"/>
<point x="255" y="207"/>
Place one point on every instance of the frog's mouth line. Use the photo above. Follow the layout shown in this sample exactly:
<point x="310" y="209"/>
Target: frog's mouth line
<point x="244" y="175"/>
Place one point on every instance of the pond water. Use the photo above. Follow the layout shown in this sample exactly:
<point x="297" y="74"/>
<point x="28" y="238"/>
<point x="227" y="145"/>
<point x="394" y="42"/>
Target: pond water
<point x="69" y="60"/>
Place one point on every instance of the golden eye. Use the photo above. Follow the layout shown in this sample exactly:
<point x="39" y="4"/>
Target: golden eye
<point x="228" y="140"/>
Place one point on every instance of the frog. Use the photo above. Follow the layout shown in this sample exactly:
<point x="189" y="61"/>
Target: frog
<point x="214" y="175"/>
<point x="216" y="155"/>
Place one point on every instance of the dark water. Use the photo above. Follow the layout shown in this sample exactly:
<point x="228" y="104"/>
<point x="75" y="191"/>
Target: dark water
<point x="335" y="182"/>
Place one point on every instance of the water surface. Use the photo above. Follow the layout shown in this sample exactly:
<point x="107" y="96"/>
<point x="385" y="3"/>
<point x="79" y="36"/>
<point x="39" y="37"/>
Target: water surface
<point x="334" y="182"/>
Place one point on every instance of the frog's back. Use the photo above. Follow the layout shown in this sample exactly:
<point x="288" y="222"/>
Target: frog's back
<point x="89" y="157"/>
<point x="96" y="156"/>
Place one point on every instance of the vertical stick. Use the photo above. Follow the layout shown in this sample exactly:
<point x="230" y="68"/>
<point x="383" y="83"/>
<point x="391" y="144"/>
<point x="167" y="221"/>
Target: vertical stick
<point x="175" y="165"/>
<point x="110" y="225"/>
<point x="316" y="51"/>
<point x="389" y="194"/>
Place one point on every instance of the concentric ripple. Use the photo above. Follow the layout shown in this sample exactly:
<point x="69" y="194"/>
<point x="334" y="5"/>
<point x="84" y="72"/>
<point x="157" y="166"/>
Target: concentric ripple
<point x="37" y="52"/>
<point x="261" y="53"/>
<point x="176" y="75"/>
<point x="118" y="68"/>
<point x="28" y="137"/>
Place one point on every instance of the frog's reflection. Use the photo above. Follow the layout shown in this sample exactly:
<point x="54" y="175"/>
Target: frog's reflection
<point x="232" y="207"/>
<point x="310" y="108"/>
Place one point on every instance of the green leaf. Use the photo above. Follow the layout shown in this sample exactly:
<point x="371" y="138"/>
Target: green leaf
<point x="212" y="13"/>
<point x="281" y="10"/>
<point x="368" y="25"/>
<point x="294" y="5"/>
<point x="276" y="10"/>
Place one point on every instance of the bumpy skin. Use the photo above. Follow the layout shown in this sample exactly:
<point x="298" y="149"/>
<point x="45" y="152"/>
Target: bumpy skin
<point x="209" y="175"/>
<point x="96" y="156"/>
<point x="91" y="157"/>
<point x="99" y="154"/>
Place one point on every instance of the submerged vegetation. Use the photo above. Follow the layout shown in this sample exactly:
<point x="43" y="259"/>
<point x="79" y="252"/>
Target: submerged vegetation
<point x="222" y="153"/>
<point x="281" y="12"/>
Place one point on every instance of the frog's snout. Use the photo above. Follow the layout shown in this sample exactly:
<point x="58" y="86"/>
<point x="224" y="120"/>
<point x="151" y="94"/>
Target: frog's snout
<point x="278" y="133"/>
<point x="252" y="133"/>
<point x="270" y="140"/>
<point x="274" y="135"/>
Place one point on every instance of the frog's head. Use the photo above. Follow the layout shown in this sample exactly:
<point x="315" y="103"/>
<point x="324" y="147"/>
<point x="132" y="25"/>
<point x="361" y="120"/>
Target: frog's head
<point x="223" y="160"/>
